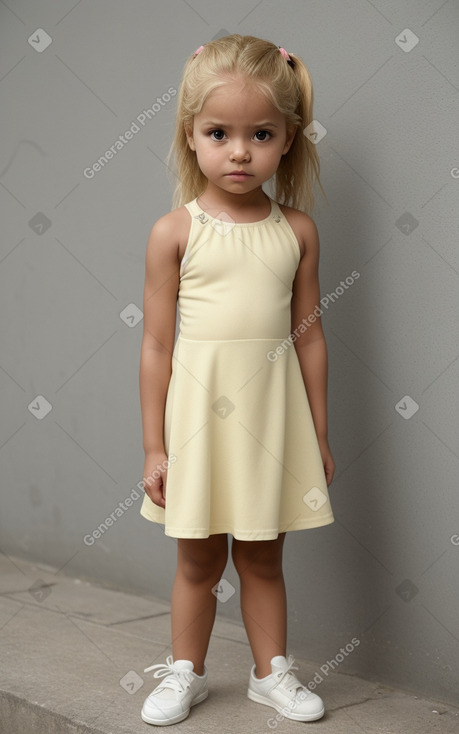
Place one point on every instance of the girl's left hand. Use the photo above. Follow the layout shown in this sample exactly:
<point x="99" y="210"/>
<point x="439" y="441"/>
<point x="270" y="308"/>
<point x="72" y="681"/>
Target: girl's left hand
<point x="327" y="459"/>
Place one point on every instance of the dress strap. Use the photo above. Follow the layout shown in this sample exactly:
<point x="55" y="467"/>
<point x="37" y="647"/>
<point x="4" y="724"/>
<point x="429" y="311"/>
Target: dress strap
<point x="276" y="212"/>
<point x="193" y="208"/>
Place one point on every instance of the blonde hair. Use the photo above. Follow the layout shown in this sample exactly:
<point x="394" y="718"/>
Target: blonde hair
<point x="288" y="87"/>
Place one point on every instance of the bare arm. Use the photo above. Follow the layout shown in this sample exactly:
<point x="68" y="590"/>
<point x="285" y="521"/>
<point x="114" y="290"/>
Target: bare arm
<point x="159" y="316"/>
<point x="310" y="346"/>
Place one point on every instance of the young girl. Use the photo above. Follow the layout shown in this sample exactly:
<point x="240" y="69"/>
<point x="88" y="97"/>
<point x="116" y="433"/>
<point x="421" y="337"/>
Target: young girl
<point x="234" y="415"/>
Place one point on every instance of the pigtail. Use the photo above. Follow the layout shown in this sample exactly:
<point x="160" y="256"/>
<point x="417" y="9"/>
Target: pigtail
<point x="299" y="169"/>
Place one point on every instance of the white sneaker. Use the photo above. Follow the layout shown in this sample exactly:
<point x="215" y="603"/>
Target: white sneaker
<point x="283" y="691"/>
<point x="172" y="699"/>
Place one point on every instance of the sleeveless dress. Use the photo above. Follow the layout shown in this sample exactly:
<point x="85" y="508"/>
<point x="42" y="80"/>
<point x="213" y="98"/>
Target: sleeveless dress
<point x="243" y="452"/>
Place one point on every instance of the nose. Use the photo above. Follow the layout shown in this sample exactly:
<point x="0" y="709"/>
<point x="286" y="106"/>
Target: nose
<point x="239" y="151"/>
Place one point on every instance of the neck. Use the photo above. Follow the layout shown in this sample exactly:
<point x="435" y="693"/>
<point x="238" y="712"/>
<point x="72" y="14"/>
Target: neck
<point x="214" y="198"/>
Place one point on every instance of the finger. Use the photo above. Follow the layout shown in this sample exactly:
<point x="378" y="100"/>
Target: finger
<point x="161" y="493"/>
<point x="153" y="491"/>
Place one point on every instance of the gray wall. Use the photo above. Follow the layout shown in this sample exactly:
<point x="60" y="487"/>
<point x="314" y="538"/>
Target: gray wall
<point x="71" y="281"/>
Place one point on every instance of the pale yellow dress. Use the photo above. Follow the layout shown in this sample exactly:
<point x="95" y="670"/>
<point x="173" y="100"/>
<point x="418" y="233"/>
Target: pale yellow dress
<point x="238" y="427"/>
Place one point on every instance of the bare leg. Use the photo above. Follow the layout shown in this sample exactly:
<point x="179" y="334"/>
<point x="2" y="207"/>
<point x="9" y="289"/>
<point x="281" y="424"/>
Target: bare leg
<point x="200" y="565"/>
<point x="263" y="598"/>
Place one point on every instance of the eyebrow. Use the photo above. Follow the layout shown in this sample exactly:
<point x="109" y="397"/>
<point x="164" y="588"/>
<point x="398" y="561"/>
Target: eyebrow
<point x="267" y="123"/>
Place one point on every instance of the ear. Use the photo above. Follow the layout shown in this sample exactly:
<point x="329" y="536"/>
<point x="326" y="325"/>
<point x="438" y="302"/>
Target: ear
<point x="189" y="136"/>
<point x="291" y="132"/>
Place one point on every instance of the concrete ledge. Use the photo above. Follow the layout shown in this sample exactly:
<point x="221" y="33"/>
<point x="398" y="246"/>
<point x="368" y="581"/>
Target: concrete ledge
<point x="72" y="656"/>
<point x="19" y="715"/>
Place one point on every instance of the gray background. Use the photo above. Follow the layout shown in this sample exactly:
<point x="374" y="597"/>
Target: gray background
<point x="386" y="571"/>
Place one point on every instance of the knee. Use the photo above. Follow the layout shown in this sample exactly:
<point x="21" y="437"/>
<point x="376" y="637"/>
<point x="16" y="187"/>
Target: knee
<point x="249" y="562"/>
<point x="203" y="568"/>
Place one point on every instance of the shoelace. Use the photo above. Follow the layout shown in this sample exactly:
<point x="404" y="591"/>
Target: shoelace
<point x="289" y="680"/>
<point x="176" y="679"/>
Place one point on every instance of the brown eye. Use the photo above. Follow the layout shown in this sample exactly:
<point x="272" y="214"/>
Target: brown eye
<point x="217" y="133"/>
<point x="263" y="132"/>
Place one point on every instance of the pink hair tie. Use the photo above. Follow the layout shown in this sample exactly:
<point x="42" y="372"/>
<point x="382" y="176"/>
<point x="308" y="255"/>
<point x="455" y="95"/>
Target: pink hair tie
<point x="286" y="56"/>
<point x="198" y="50"/>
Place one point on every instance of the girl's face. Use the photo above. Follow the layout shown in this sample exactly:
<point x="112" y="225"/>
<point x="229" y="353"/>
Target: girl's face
<point x="238" y="129"/>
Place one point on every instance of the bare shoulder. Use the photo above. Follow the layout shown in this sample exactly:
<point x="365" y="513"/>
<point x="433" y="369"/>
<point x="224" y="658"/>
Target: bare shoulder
<point x="304" y="228"/>
<point x="162" y="263"/>
<point x="171" y="232"/>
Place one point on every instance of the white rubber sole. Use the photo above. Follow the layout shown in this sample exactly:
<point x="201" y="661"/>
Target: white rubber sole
<point x="284" y="710"/>
<point x="173" y="719"/>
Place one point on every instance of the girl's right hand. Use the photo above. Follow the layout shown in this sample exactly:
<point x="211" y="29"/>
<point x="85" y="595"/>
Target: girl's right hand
<point x="155" y="476"/>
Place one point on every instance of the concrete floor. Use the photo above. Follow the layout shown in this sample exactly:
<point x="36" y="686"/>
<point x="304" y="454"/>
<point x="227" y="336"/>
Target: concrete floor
<point x="72" y="656"/>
